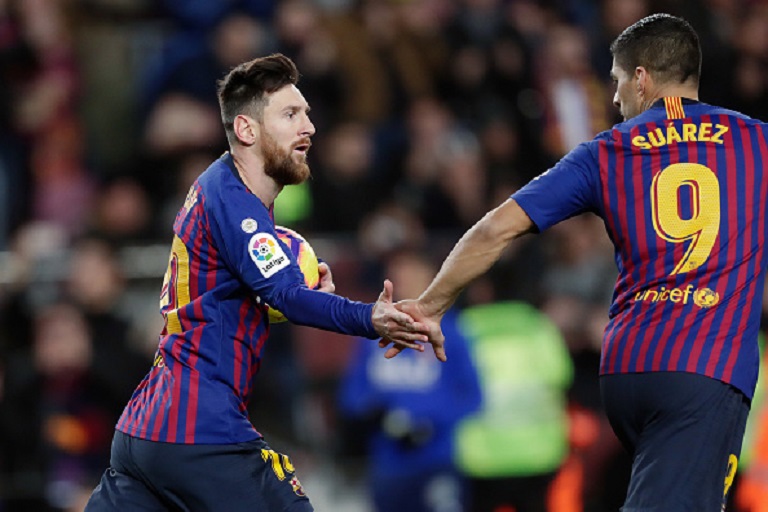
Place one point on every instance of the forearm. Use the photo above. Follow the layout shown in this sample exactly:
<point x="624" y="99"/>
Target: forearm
<point x="326" y="311"/>
<point x="474" y="254"/>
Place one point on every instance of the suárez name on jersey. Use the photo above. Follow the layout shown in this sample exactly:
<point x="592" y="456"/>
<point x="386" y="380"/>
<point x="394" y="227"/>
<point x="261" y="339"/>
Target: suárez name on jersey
<point x="704" y="132"/>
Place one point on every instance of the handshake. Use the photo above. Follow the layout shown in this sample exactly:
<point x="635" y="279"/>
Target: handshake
<point x="407" y="324"/>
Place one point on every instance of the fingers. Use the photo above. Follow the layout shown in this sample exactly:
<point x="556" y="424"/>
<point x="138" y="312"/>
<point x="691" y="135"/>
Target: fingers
<point x="439" y="349"/>
<point x="437" y="340"/>
<point x="396" y="349"/>
<point x="393" y="351"/>
<point x="394" y="320"/>
<point x="407" y="336"/>
<point x="387" y="292"/>
<point x="326" y="278"/>
<point x="405" y="321"/>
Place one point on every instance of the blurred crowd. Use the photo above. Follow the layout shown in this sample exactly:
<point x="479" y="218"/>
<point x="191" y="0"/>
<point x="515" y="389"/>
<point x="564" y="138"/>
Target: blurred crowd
<point x="428" y="113"/>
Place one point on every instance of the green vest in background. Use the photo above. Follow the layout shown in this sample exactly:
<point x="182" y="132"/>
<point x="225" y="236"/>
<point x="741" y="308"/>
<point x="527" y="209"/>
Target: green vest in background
<point x="525" y="370"/>
<point x="293" y="205"/>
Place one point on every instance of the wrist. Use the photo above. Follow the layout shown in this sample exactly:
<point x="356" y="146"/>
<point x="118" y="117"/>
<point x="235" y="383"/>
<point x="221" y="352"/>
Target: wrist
<point x="370" y="327"/>
<point x="431" y="307"/>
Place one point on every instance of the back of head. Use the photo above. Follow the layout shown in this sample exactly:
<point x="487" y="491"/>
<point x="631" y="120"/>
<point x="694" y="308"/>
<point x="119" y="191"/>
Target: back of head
<point x="245" y="88"/>
<point x="665" y="45"/>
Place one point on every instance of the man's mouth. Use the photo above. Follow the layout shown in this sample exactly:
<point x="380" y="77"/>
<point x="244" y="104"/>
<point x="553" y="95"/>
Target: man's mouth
<point x="302" y="147"/>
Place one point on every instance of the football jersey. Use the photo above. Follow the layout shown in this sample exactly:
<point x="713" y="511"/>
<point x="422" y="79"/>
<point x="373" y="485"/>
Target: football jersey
<point x="682" y="189"/>
<point x="226" y="264"/>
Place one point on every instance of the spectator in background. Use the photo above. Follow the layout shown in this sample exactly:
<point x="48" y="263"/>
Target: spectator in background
<point x="16" y="63"/>
<point x="203" y="15"/>
<point x="46" y="114"/>
<point x="389" y="57"/>
<point x="179" y="93"/>
<point x="613" y="17"/>
<point x="578" y="282"/>
<point x="512" y="448"/>
<point x="188" y="167"/>
<point x="302" y="32"/>
<point x="750" y="69"/>
<point x="346" y="186"/>
<point x="122" y="212"/>
<point x="58" y="413"/>
<point x="576" y="105"/>
<point x="433" y="133"/>
<point x="95" y="283"/>
<point x="388" y="228"/>
<point x="410" y="408"/>
<point x="463" y="179"/>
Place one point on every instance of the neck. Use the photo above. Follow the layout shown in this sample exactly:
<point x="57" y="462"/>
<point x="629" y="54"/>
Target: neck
<point x="670" y="91"/>
<point x="251" y="170"/>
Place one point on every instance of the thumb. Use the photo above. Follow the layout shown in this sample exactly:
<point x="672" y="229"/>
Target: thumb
<point x="386" y="293"/>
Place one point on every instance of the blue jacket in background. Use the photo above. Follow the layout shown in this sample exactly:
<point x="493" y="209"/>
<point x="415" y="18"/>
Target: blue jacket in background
<point x="412" y="389"/>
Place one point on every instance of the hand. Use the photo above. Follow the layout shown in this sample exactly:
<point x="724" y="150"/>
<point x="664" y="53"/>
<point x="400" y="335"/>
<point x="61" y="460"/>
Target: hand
<point x="326" y="278"/>
<point x="395" y="326"/>
<point x="430" y="321"/>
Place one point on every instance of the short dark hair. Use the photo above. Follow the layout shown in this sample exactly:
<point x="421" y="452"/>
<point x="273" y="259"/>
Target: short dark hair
<point x="245" y="88"/>
<point x="665" y="45"/>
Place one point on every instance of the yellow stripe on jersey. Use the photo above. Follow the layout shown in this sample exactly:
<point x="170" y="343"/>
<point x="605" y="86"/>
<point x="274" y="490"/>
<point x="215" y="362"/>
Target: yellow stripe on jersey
<point x="674" y="106"/>
<point x="179" y="256"/>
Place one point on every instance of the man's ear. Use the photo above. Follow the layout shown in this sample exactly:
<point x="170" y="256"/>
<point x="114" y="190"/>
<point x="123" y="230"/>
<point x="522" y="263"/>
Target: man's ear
<point x="643" y="79"/>
<point x="246" y="130"/>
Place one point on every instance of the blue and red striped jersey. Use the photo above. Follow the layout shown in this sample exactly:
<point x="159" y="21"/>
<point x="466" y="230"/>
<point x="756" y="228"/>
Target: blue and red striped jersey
<point x="226" y="264"/>
<point x="682" y="189"/>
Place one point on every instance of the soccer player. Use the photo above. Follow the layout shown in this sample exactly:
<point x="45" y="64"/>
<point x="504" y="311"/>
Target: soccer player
<point x="683" y="189"/>
<point x="184" y="441"/>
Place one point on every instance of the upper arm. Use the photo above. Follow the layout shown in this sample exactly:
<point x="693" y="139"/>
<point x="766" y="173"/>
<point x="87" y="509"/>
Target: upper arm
<point x="567" y="189"/>
<point x="507" y="221"/>
<point x="243" y="229"/>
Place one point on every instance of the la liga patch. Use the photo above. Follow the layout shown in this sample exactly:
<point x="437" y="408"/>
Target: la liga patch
<point x="267" y="254"/>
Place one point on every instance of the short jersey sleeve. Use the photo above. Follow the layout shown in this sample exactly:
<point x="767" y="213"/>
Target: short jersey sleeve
<point x="569" y="188"/>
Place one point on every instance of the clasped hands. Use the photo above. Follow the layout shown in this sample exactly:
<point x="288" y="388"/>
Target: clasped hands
<point x="406" y="324"/>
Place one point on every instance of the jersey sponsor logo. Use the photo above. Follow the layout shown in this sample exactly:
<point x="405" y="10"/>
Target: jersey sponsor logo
<point x="249" y="225"/>
<point x="703" y="297"/>
<point x="704" y="132"/>
<point x="706" y="298"/>
<point x="267" y="254"/>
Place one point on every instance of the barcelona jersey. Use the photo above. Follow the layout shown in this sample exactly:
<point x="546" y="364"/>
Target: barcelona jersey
<point x="682" y="189"/>
<point x="226" y="264"/>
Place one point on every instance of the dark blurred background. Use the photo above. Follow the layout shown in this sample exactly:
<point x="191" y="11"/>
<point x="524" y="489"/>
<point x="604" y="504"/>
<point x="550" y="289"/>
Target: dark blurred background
<point x="428" y="113"/>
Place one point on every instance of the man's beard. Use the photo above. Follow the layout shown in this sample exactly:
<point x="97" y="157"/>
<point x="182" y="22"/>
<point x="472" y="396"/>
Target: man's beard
<point x="281" y="165"/>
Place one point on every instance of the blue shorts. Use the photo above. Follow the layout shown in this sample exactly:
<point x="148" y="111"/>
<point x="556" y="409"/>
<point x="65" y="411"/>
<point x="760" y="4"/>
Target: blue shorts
<point x="684" y="432"/>
<point x="152" y="476"/>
